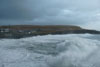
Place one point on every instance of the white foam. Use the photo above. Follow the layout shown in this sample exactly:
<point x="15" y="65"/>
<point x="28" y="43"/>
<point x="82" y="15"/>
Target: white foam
<point x="50" y="51"/>
<point x="78" y="51"/>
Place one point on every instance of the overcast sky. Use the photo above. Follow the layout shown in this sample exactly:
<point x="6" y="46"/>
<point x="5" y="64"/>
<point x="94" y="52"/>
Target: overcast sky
<point x="85" y="13"/>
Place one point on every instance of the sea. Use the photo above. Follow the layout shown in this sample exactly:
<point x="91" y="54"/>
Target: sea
<point x="68" y="50"/>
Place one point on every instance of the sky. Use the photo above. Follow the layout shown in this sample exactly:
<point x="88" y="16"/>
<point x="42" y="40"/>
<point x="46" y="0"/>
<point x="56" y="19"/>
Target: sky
<point x="85" y="13"/>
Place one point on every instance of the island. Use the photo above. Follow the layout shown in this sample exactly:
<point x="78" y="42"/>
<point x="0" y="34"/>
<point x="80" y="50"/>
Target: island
<point x="21" y="31"/>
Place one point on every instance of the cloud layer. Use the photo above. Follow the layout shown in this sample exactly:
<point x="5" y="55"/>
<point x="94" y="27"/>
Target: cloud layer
<point x="75" y="12"/>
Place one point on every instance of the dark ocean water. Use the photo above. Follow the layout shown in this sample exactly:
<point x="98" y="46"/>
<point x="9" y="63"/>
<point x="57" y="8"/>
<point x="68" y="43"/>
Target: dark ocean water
<point x="73" y="50"/>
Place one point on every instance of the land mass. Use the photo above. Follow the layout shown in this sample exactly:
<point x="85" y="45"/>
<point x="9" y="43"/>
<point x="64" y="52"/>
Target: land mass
<point x="21" y="31"/>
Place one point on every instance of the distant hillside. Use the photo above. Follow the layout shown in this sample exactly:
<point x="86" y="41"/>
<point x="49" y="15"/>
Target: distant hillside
<point x="29" y="27"/>
<point x="20" y="31"/>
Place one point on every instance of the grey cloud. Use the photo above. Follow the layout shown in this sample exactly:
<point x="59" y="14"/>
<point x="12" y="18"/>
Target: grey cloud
<point x="13" y="9"/>
<point x="77" y="12"/>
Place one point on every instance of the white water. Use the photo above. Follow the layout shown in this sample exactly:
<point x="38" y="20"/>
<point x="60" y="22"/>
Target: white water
<point x="51" y="51"/>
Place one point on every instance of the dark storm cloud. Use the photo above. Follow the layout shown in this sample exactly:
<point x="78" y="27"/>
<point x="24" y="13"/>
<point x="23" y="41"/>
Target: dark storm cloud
<point x="77" y="12"/>
<point x="14" y="9"/>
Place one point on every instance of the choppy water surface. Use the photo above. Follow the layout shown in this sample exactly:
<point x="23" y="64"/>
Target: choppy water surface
<point x="82" y="50"/>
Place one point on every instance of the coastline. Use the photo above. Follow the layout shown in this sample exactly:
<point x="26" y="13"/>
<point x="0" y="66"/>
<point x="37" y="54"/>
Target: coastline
<point x="21" y="31"/>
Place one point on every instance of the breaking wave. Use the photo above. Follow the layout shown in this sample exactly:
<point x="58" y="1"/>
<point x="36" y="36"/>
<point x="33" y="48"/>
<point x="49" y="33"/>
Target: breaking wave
<point x="82" y="50"/>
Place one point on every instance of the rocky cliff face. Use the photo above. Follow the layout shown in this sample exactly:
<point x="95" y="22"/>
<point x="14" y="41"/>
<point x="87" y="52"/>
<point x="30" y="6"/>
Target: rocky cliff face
<point x="20" y="31"/>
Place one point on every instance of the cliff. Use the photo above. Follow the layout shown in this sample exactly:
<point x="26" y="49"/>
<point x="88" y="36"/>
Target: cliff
<point x="20" y="31"/>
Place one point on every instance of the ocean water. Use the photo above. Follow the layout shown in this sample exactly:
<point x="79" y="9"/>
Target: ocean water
<point x="72" y="50"/>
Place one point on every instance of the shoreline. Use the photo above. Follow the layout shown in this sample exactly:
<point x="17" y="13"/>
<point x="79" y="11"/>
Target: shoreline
<point x="22" y="31"/>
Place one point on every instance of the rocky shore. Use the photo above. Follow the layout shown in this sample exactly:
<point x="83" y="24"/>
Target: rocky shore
<point x="21" y="31"/>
